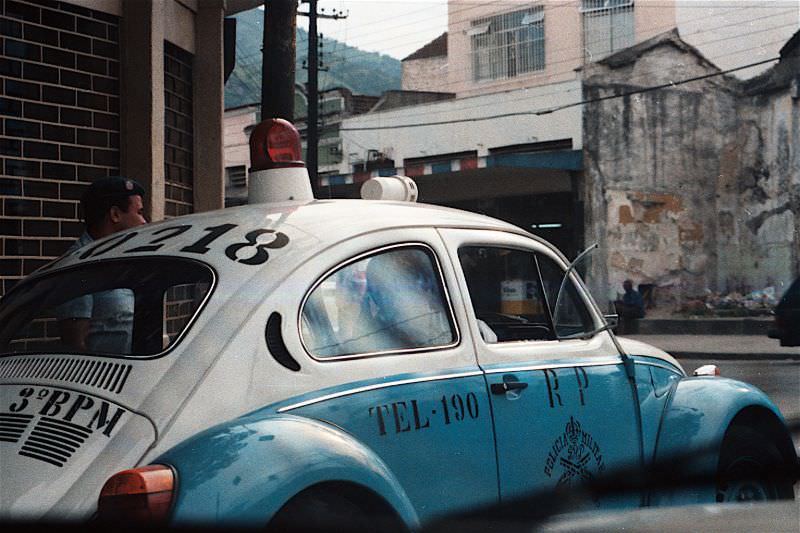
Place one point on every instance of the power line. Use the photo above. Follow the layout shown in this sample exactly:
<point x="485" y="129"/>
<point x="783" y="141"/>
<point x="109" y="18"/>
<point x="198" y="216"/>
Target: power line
<point x="655" y="29"/>
<point x="547" y="111"/>
<point x="356" y="52"/>
<point x="527" y="97"/>
<point x="498" y="84"/>
<point x="545" y="8"/>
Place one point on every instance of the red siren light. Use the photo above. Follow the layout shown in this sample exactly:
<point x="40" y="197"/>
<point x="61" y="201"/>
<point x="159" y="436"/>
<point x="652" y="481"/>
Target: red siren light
<point x="275" y="143"/>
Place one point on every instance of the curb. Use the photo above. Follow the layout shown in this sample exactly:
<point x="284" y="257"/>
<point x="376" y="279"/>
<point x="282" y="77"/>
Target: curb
<point x="704" y="326"/>
<point x="677" y="354"/>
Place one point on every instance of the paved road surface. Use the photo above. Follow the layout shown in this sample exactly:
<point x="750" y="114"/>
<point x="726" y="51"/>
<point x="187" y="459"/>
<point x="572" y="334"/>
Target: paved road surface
<point x="721" y="346"/>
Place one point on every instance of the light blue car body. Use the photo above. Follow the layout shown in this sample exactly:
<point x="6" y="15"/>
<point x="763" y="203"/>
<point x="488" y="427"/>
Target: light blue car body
<point x="244" y="471"/>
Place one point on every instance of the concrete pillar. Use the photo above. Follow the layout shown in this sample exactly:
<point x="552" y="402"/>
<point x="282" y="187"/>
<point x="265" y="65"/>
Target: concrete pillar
<point x="142" y="100"/>
<point x="209" y="180"/>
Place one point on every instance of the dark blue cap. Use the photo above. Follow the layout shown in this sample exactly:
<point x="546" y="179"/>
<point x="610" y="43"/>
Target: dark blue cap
<point x="111" y="187"/>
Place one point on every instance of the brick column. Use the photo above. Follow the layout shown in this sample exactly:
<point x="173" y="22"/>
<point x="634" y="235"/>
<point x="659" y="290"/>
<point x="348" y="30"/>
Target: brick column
<point x="142" y="79"/>
<point x="209" y="180"/>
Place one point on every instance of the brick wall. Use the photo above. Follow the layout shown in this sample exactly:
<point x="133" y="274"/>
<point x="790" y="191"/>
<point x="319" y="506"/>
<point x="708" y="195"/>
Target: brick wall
<point x="59" y="114"/>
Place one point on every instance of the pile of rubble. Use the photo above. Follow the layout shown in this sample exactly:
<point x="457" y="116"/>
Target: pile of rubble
<point x="759" y="302"/>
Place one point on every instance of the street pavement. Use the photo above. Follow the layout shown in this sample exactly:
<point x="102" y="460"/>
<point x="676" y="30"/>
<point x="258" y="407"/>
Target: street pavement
<point x="721" y="346"/>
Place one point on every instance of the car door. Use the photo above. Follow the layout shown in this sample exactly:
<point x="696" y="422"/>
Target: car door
<point x="563" y="408"/>
<point x="380" y="326"/>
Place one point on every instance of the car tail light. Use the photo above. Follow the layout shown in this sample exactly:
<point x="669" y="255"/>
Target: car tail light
<point x="275" y="143"/>
<point x="140" y="495"/>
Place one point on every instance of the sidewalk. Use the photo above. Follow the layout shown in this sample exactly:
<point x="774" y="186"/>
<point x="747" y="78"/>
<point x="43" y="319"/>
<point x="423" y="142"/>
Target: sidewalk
<point x="720" y="346"/>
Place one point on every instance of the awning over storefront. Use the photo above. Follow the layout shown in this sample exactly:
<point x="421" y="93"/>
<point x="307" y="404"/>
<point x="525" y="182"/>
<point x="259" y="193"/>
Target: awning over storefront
<point x="569" y="160"/>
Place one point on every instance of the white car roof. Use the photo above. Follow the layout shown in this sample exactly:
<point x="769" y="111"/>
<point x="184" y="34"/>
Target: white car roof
<point x="309" y="226"/>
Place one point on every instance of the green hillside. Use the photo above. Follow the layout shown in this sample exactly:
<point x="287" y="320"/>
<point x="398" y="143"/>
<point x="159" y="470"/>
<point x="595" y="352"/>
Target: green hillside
<point x="362" y="72"/>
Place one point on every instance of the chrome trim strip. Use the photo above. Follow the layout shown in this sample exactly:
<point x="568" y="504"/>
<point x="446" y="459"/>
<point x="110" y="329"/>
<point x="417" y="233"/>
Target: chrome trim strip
<point x="377" y="386"/>
<point x="545" y="366"/>
<point x="657" y="365"/>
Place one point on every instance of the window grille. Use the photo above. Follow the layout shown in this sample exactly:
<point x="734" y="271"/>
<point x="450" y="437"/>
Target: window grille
<point x="237" y="176"/>
<point x="507" y="45"/>
<point x="608" y="26"/>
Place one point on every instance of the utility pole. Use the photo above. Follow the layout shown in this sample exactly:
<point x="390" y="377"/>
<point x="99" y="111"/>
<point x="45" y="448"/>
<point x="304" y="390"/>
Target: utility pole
<point x="278" y="70"/>
<point x="312" y="138"/>
<point x="312" y="135"/>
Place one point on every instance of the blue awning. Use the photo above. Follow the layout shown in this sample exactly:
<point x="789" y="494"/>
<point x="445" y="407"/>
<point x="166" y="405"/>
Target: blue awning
<point x="562" y="160"/>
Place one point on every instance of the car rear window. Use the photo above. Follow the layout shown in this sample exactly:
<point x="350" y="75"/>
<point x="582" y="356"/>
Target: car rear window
<point x="140" y="307"/>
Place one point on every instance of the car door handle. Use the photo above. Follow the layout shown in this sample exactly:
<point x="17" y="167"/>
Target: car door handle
<point x="505" y="386"/>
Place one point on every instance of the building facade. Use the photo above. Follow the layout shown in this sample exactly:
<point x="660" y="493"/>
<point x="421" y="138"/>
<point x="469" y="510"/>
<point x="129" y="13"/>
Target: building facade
<point x="521" y="142"/>
<point x="491" y="47"/>
<point x="694" y="187"/>
<point x="92" y="88"/>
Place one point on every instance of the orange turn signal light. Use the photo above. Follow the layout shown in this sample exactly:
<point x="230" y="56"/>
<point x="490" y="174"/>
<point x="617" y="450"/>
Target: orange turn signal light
<point x="142" y="495"/>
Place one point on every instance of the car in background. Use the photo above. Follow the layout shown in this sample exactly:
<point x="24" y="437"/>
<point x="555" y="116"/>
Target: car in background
<point x="786" y="327"/>
<point x="300" y="363"/>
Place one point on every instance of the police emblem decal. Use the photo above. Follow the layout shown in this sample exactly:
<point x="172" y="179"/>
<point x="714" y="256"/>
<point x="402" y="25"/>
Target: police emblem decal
<point x="575" y="455"/>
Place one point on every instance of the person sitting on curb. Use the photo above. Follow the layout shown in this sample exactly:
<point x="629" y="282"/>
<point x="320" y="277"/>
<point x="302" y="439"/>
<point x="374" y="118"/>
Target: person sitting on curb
<point x="629" y="308"/>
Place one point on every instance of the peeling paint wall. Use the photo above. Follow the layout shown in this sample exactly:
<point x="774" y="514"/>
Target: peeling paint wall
<point x="691" y="188"/>
<point x="762" y="205"/>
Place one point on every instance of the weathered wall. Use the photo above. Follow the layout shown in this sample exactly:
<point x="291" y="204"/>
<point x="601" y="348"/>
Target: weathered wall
<point x="652" y="162"/>
<point x="427" y="74"/>
<point x="759" y="196"/>
<point x="693" y="187"/>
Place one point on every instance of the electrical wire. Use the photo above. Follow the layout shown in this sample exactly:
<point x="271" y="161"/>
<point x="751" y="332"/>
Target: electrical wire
<point x="548" y="7"/>
<point x="566" y="106"/>
<point x="525" y="97"/>
<point x="498" y="83"/>
<point x="578" y="52"/>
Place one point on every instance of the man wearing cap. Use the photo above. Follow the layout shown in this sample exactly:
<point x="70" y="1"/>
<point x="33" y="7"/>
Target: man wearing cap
<point x="103" y="321"/>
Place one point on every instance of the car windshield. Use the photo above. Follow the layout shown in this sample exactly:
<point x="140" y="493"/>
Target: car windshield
<point x="118" y="308"/>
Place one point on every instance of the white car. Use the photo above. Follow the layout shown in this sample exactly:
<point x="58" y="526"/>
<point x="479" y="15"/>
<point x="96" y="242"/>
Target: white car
<point x="300" y="360"/>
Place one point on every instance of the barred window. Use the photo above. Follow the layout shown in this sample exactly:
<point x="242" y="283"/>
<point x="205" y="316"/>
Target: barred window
<point x="608" y="26"/>
<point x="507" y="45"/>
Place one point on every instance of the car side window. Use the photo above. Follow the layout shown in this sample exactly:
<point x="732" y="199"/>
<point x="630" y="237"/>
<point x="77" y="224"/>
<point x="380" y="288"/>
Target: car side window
<point x="571" y="318"/>
<point x="390" y="301"/>
<point x="506" y="294"/>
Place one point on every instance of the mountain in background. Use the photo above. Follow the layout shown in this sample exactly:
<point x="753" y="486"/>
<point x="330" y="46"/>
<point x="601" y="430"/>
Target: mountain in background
<point x="362" y="72"/>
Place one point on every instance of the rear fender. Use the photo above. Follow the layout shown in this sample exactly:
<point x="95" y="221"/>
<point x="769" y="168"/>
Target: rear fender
<point x="243" y="472"/>
<point x="693" y="428"/>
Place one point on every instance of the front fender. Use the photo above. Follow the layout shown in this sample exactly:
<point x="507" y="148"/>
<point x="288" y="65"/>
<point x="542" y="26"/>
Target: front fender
<point x="241" y="473"/>
<point x="693" y="426"/>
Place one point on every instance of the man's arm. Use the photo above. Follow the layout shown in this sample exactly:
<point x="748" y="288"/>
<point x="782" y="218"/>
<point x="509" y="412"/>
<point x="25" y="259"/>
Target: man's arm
<point x="74" y="332"/>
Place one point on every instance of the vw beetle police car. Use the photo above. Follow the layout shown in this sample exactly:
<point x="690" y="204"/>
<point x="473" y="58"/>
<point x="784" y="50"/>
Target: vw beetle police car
<point x="298" y="359"/>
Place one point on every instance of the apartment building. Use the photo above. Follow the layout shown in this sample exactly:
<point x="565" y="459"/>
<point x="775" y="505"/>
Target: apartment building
<point x="492" y="47"/>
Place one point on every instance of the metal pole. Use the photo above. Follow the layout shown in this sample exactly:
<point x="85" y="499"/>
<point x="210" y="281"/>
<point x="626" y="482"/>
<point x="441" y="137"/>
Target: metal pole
<point x="312" y="137"/>
<point x="277" y="74"/>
